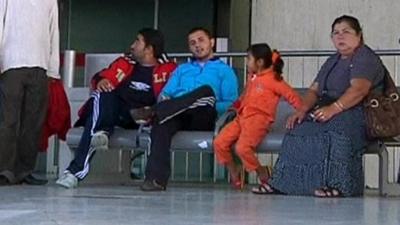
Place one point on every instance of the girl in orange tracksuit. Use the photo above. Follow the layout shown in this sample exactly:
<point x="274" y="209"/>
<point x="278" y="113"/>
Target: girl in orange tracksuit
<point x="256" y="109"/>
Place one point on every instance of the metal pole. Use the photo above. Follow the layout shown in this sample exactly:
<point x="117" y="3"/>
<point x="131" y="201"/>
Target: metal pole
<point x="69" y="68"/>
<point x="156" y="13"/>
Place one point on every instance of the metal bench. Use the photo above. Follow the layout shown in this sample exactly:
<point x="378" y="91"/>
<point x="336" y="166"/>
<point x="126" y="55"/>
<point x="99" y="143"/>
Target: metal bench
<point x="201" y="141"/>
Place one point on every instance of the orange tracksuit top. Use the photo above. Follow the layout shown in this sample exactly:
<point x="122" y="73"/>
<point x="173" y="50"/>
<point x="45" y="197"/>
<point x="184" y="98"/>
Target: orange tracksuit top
<point x="262" y="94"/>
<point x="256" y="109"/>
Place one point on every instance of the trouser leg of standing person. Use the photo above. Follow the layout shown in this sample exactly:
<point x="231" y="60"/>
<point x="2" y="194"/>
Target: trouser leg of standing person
<point x="12" y="93"/>
<point x="33" y="114"/>
<point x="23" y="102"/>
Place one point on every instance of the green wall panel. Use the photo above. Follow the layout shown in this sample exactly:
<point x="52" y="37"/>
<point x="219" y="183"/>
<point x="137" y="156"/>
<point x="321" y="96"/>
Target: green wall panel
<point x="101" y="26"/>
<point x="177" y="17"/>
<point x="107" y="26"/>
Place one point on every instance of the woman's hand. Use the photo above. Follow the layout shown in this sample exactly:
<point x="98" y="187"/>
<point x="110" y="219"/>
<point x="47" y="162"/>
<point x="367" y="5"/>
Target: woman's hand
<point x="326" y="113"/>
<point x="294" y="119"/>
<point x="105" y="85"/>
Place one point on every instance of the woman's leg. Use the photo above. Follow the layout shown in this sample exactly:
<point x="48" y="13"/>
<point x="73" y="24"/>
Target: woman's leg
<point x="300" y="168"/>
<point x="323" y="158"/>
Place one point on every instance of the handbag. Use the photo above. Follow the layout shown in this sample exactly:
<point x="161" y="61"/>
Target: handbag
<point x="382" y="110"/>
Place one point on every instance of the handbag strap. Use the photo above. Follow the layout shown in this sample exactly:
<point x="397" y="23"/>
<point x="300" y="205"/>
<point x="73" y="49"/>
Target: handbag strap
<point x="387" y="84"/>
<point x="390" y="86"/>
<point x="324" y="87"/>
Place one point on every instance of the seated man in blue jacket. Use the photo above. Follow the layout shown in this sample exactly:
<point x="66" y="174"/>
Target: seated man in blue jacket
<point x="195" y="95"/>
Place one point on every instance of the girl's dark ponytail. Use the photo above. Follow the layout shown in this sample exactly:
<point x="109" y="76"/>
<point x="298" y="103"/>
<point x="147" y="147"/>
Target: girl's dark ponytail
<point x="277" y="64"/>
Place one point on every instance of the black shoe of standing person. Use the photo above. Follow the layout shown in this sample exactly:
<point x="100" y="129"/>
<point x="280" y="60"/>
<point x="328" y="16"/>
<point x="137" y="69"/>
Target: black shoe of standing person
<point x="142" y="115"/>
<point x="32" y="180"/>
<point x="4" y="181"/>
<point x="152" y="185"/>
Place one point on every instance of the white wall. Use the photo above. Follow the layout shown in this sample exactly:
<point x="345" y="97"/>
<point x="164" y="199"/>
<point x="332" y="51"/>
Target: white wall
<point x="306" y="25"/>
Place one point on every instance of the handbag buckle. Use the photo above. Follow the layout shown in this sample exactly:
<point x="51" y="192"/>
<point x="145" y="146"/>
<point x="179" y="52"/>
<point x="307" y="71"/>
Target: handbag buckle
<point x="374" y="103"/>
<point x="394" y="96"/>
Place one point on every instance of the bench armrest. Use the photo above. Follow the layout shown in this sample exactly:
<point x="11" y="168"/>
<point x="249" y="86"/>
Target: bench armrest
<point x="223" y="120"/>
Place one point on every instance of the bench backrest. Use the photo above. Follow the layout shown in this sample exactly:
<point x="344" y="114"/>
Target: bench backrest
<point x="77" y="97"/>
<point x="95" y="63"/>
<point x="283" y="112"/>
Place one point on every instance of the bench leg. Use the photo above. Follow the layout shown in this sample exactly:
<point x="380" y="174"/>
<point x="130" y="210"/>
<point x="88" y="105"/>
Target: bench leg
<point x="120" y="160"/>
<point x="386" y="188"/>
<point x="186" y="166"/>
<point x="215" y="169"/>
<point x="201" y="166"/>
<point x="143" y="164"/>
<point x="134" y="170"/>
<point x="173" y="166"/>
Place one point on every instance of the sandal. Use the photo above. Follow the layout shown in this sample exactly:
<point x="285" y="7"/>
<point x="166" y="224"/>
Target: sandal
<point x="327" y="192"/>
<point x="265" y="189"/>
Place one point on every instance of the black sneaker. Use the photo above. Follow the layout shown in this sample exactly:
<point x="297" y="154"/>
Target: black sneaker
<point x="3" y="180"/>
<point x="32" y="180"/>
<point x="152" y="185"/>
<point x="142" y="115"/>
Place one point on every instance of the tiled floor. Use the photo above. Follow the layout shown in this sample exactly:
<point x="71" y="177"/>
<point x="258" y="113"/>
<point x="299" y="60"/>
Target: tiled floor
<point x="184" y="204"/>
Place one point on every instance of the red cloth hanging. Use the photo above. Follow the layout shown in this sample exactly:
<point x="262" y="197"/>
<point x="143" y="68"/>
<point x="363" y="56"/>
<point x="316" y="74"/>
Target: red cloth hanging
<point x="58" y="119"/>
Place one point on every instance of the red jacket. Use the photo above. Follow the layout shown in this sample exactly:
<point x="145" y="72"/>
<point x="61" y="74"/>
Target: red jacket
<point x="122" y="68"/>
<point x="58" y="119"/>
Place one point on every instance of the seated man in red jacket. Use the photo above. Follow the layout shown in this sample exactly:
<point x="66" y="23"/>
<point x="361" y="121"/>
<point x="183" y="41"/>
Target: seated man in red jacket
<point x="129" y="82"/>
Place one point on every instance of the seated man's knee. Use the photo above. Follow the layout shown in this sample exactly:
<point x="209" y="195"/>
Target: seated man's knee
<point x="207" y="90"/>
<point x="106" y="95"/>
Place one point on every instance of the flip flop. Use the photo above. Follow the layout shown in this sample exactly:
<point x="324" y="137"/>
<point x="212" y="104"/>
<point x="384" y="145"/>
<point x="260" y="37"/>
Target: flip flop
<point x="327" y="192"/>
<point x="265" y="189"/>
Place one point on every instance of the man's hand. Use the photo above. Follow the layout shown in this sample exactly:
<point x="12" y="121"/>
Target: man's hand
<point x="104" y="85"/>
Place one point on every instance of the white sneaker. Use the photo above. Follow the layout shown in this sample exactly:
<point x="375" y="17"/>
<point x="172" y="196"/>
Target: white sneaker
<point x="67" y="180"/>
<point x="99" y="141"/>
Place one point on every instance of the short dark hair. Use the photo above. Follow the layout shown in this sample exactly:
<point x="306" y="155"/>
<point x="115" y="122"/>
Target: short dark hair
<point x="352" y="22"/>
<point x="154" y="38"/>
<point x="205" y="30"/>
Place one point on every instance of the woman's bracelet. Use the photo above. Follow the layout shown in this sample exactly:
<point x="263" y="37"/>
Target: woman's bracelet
<point x="339" y="105"/>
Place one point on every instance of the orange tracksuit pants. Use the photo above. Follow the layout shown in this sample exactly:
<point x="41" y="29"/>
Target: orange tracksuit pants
<point x="247" y="133"/>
